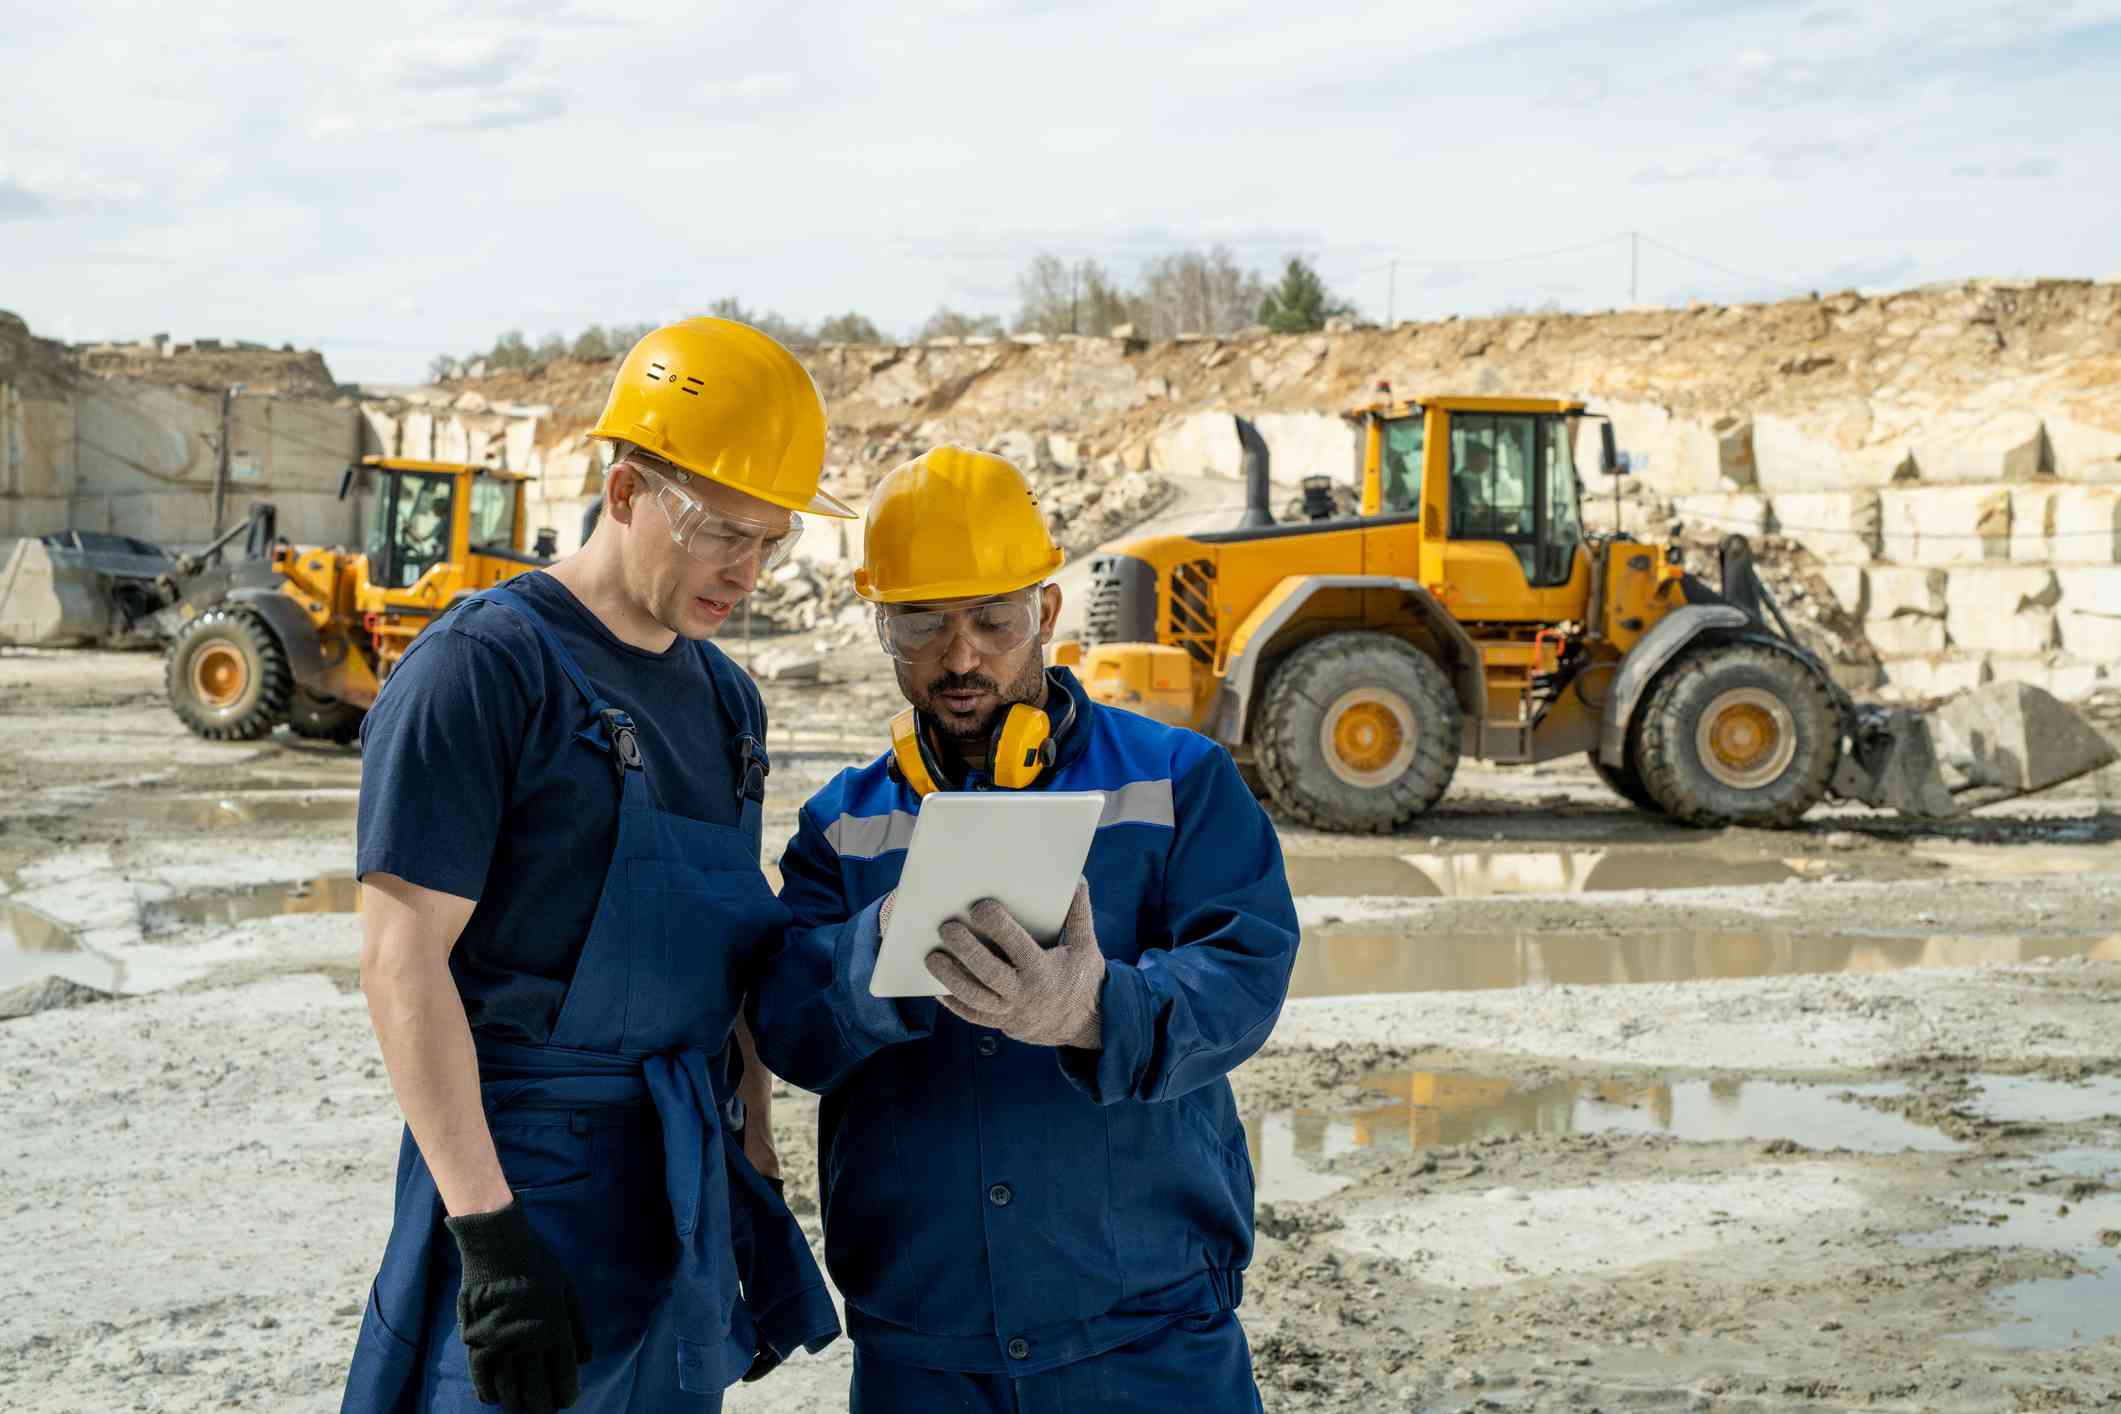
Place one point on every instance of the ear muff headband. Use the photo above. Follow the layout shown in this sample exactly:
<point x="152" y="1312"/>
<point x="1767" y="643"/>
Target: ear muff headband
<point x="1022" y="745"/>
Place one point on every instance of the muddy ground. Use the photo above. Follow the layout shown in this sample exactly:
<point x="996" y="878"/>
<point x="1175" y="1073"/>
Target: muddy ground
<point x="1575" y="1110"/>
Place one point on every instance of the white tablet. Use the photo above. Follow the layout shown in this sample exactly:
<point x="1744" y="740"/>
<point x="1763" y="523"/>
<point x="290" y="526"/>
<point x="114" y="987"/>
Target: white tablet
<point x="1023" y="848"/>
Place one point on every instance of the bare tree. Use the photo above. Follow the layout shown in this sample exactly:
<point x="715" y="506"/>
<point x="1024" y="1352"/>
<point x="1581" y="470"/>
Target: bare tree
<point x="1059" y="298"/>
<point x="1197" y="292"/>
<point x="947" y="323"/>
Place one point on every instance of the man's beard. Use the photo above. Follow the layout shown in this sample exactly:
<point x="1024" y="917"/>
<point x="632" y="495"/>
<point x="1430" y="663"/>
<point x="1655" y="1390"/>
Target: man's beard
<point x="1028" y="687"/>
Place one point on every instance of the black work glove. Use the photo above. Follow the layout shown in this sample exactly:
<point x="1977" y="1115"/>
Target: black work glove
<point x="519" y="1315"/>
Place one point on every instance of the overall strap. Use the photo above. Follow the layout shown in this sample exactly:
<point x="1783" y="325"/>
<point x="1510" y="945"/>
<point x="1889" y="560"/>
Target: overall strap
<point x="610" y="729"/>
<point x="752" y="763"/>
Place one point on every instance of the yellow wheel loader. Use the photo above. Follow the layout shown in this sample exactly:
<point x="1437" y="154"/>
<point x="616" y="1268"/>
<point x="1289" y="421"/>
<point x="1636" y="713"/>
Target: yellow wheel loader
<point x="1350" y="660"/>
<point x="308" y="635"/>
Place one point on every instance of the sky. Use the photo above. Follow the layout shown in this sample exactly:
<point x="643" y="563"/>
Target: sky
<point x="390" y="181"/>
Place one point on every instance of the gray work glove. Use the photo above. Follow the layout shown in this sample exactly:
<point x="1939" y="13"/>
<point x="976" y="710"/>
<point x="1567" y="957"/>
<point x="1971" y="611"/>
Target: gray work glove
<point x="1000" y="977"/>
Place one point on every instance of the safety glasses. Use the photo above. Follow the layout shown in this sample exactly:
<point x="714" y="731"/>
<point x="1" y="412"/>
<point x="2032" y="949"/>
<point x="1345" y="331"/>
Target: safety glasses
<point x="994" y="626"/>
<point x="711" y="537"/>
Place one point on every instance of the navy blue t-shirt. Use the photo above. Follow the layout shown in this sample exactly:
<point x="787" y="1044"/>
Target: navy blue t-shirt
<point x="474" y="783"/>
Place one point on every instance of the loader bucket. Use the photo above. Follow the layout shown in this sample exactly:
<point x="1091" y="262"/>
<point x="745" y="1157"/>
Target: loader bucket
<point x="46" y="602"/>
<point x="2010" y="739"/>
<point x="67" y="594"/>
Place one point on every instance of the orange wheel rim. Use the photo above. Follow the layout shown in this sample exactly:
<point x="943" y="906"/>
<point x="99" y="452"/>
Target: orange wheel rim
<point x="1747" y="738"/>
<point x="1368" y="737"/>
<point x="219" y="675"/>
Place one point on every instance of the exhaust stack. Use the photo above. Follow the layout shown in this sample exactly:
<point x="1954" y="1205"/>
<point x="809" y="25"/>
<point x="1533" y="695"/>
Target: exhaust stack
<point x="1252" y="465"/>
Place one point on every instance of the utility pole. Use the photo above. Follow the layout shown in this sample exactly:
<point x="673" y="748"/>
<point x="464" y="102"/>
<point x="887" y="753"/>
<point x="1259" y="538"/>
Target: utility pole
<point x="1634" y="262"/>
<point x="1391" y="292"/>
<point x="228" y="403"/>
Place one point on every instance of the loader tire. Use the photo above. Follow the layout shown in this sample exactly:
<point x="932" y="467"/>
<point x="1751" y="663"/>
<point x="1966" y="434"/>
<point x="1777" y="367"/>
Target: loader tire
<point x="1626" y="782"/>
<point x="1738" y="736"/>
<point x="1357" y="732"/>
<point x="323" y="718"/>
<point x="227" y="676"/>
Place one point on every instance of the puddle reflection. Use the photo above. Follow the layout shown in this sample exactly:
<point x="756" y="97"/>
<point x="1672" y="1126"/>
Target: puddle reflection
<point x="1337" y="962"/>
<point x="330" y="893"/>
<point x="1492" y="873"/>
<point x="221" y="811"/>
<point x="2046" y="1313"/>
<point x="33" y="946"/>
<point x="1431" y="1109"/>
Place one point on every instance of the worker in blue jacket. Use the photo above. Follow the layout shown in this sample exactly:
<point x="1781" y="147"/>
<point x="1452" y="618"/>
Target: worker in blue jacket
<point x="1036" y="1189"/>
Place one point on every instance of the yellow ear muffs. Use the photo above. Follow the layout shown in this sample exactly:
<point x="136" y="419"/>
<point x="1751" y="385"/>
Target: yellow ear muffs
<point x="1021" y="747"/>
<point x="1023" y="744"/>
<point x="910" y="759"/>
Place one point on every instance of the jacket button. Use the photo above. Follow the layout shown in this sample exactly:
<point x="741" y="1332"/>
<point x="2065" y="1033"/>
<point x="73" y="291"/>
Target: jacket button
<point x="988" y="1045"/>
<point x="1019" y="1348"/>
<point x="999" y="1195"/>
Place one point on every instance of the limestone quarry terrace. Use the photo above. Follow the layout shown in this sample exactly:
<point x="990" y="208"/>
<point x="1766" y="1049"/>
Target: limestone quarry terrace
<point x="1937" y="470"/>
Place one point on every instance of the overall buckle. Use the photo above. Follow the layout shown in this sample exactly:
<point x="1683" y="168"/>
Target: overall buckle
<point x="753" y="766"/>
<point x="625" y="745"/>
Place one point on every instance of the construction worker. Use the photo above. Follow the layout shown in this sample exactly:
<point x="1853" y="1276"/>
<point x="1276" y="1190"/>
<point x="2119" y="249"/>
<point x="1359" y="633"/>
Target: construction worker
<point x="1036" y="1191"/>
<point x="562" y="910"/>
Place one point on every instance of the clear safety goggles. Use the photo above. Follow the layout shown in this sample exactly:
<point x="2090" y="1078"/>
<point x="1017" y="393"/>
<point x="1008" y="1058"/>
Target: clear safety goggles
<point x="709" y="536"/>
<point x="991" y="627"/>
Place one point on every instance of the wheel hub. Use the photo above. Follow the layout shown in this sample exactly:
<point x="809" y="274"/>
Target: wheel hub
<point x="1746" y="738"/>
<point x="219" y="676"/>
<point x="1367" y="736"/>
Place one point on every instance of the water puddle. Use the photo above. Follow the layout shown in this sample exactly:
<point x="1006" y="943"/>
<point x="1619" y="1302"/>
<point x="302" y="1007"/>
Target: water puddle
<point x="1338" y="962"/>
<point x="330" y="893"/>
<point x="34" y="946"/>
<point x="2046" y="1313"/>
<point x="1491" y="874"/>
<point x="2032" y="1100"/>
<point x="1431" y="1109"/>
<point x="234" y="809"/>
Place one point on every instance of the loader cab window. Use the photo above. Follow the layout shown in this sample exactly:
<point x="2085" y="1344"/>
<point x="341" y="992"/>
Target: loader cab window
<point x="1513" y="480"/>
<point x="411" y="527"/>
<point x="1402" y="465"/>
<point x="493" y="514"/>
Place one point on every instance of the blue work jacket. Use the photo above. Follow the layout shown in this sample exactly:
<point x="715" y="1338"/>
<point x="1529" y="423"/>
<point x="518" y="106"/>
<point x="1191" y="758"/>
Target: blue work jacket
<point x="991" y="1206"/>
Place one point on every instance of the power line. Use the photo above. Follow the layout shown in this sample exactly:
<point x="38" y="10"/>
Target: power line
<point x="1725" y="269"/>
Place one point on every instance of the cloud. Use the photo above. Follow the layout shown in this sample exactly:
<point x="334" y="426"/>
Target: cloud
<point x="18" y="202"/>
<point x="2023" y="169"/>
<point x="507" y="110"/>
<point x="466" y="59"/>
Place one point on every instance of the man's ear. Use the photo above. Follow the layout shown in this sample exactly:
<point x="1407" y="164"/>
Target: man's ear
<point x="621" y="486"/>
<point x="1049" y="607"/>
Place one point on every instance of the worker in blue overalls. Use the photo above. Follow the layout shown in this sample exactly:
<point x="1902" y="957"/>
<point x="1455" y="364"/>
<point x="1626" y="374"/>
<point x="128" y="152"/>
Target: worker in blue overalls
<point x="562" y="912"/>
<point x="1037" y="1195"/>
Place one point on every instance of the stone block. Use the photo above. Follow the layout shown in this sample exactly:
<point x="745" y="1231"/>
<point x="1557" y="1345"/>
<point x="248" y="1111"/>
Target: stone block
<point x="452" y="441"/>
<point x="2084" y="453"/>
<point x="1907" y="636"/>
<point x="519" y="443"/>
<point x="2032" y="522"/>
<point x="1795" y="458"/>
<point x="1725" y="515"/>
<point x="416" y="435"/>
<point x="1018" y="448"/>
<point x="1850" y="585"/>
<point x="1946" y="525"/>
<point x="379" y="432"/>
<point x="2006" y="611"/>
<point x="1301" y="444"/>
<point x="2086" y="526"/>
<point x="1892" y="591"/>
<point x="1066" y="452"/>
<point x="1926" y="679"/>
<point x="2010" y="446"/>
<point x="1201" y="444"/>
<point x="2065" y="678"/>
<point x="2090" y="618"/>
<point x="1840" y="527"/>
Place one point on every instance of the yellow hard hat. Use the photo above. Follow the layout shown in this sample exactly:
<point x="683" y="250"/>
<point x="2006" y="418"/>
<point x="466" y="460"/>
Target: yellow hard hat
<point x="953" y="524"/>
<point x="726" y="402"/>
